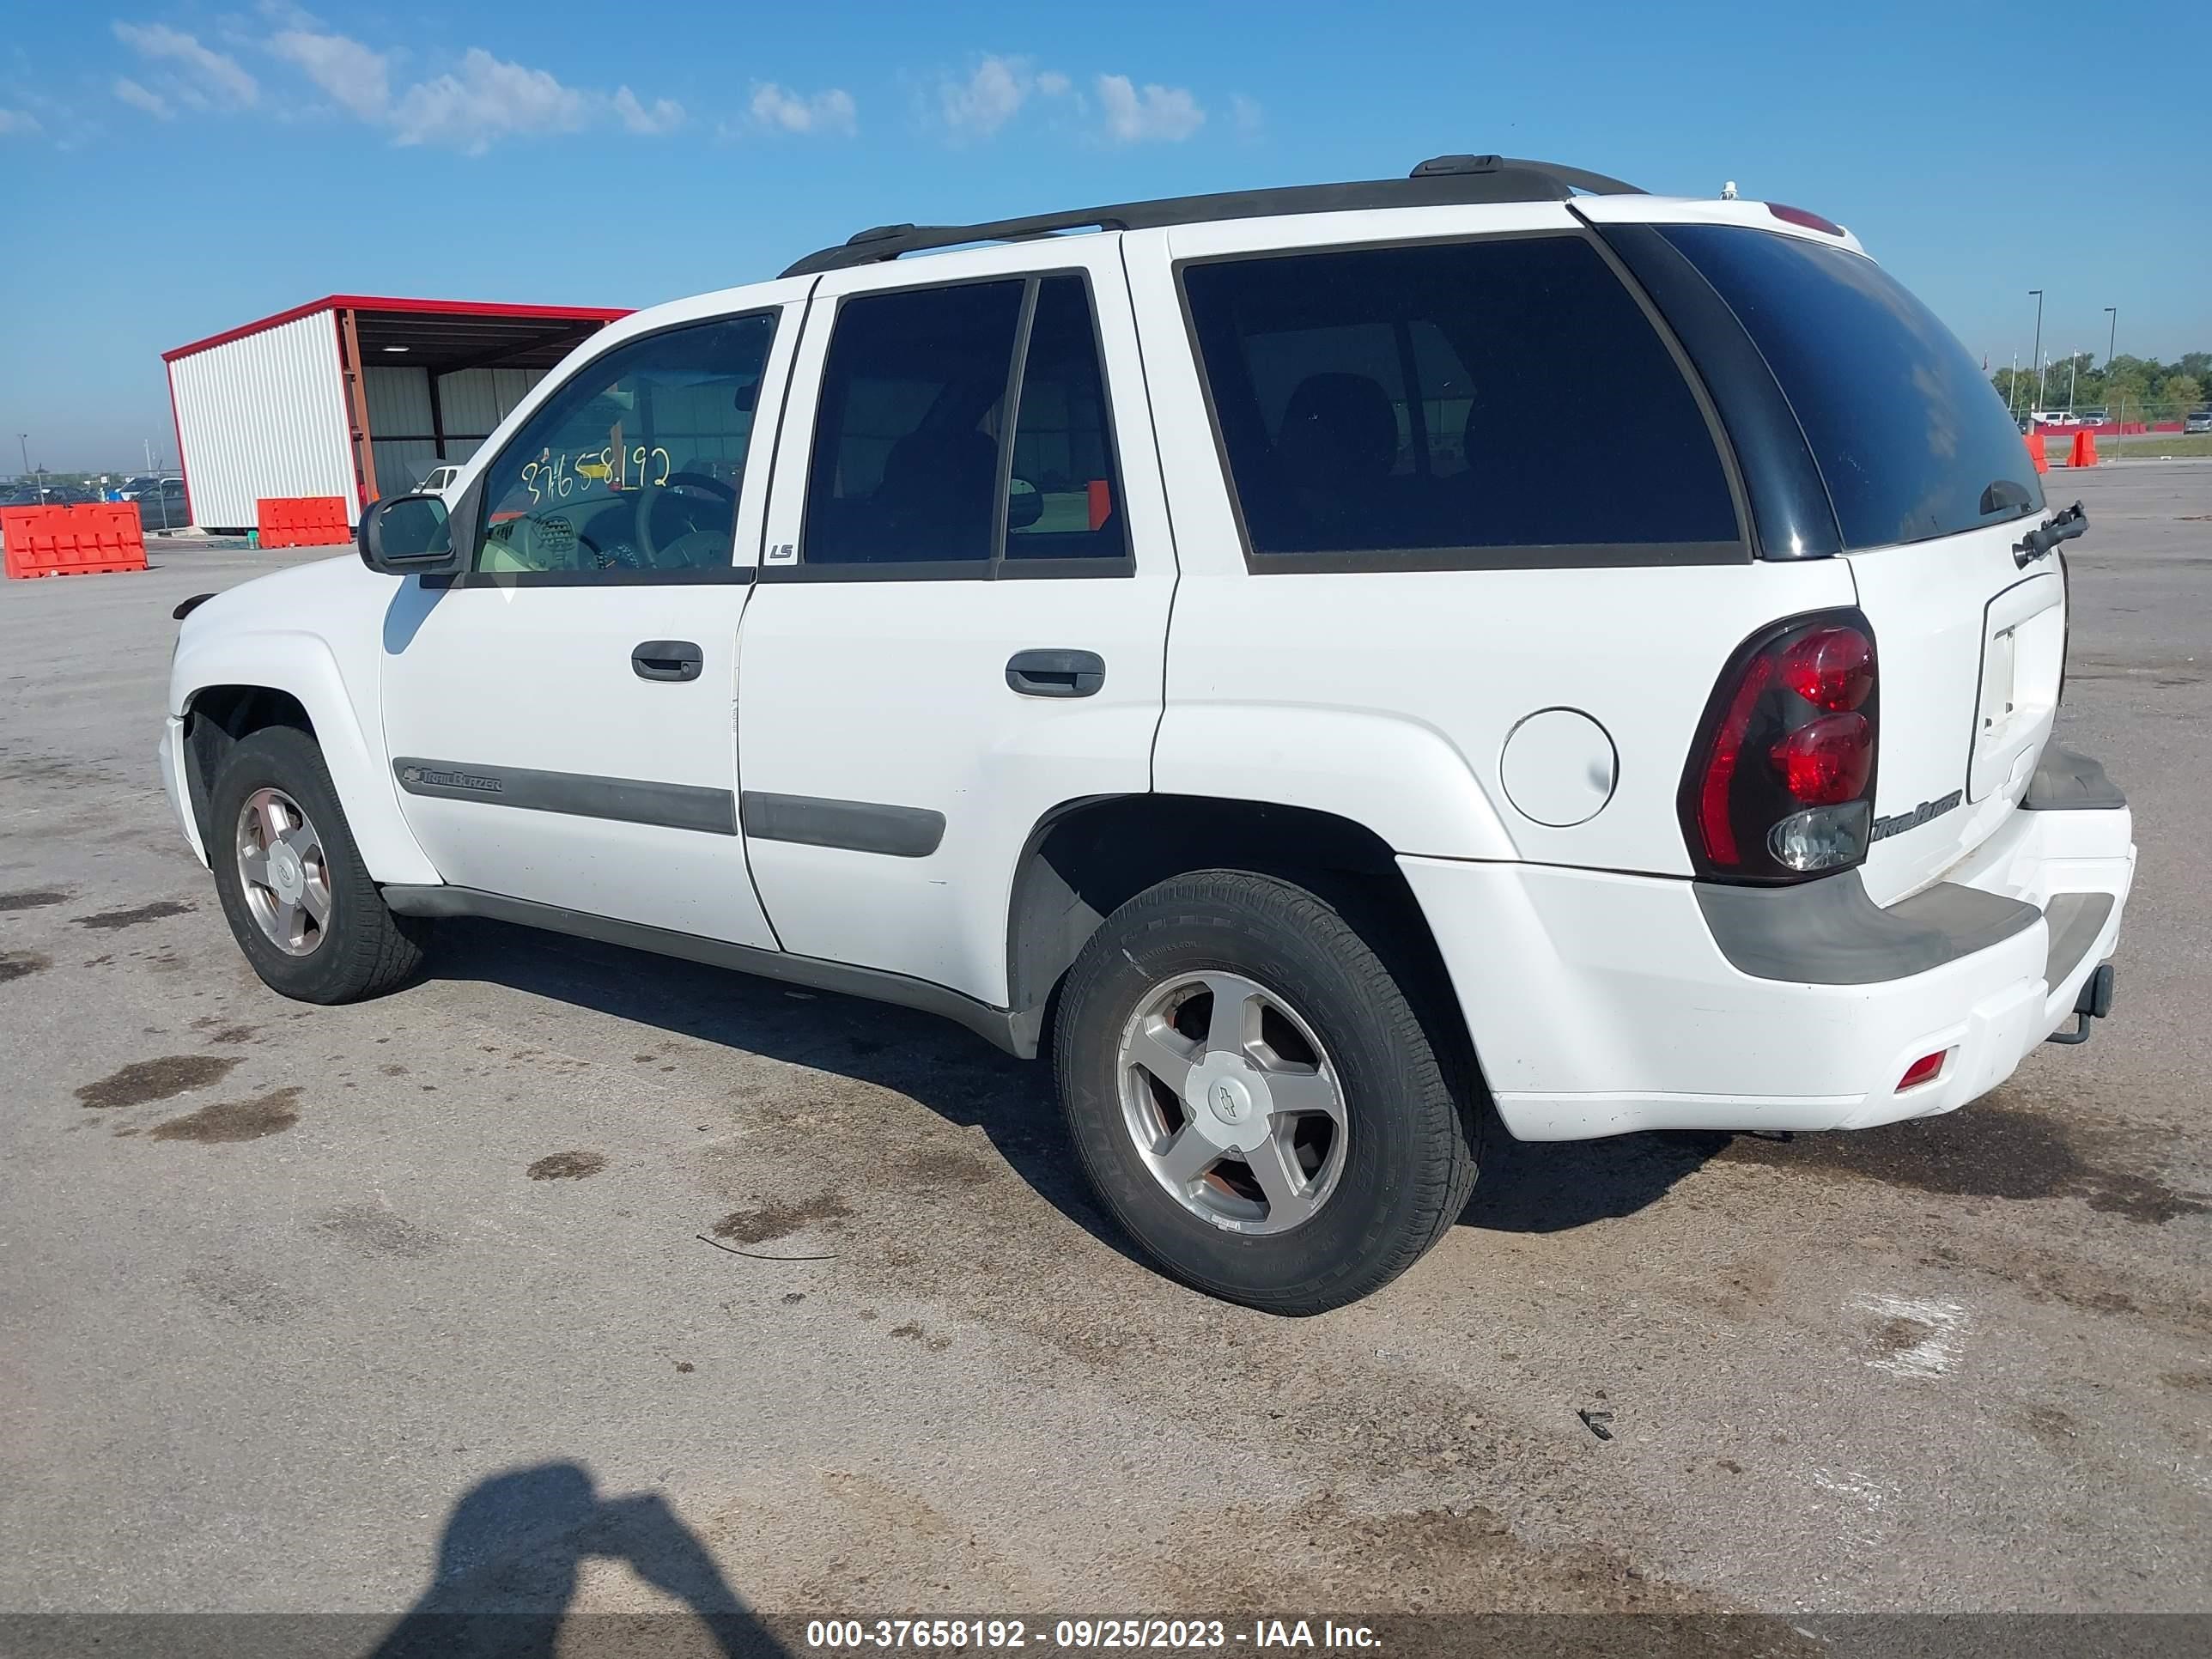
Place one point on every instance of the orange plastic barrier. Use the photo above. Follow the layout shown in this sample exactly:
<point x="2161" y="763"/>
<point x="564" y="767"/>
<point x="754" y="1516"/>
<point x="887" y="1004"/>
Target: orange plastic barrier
<point x="83" y="540"/>
<point x="303" y="521"/>
<point x="2034" y="440"/>
<point x="2085" y="449"/>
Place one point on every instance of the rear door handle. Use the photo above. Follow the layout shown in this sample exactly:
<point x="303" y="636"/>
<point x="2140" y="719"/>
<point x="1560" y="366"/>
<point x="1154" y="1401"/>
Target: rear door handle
<point x="668" y="659"/>
<point x="1056" y="673"/>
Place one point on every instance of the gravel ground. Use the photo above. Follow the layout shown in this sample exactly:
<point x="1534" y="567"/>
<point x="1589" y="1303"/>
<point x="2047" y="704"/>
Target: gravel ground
<point x="370" y="1290"/>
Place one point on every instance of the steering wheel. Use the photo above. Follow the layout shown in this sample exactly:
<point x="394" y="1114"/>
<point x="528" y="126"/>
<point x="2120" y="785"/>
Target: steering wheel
<point x="649" y="498"/>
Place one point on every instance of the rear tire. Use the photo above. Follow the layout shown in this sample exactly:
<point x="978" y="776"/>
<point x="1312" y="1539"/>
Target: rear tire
<point x="1369" y="1153"/>
<point x="281" y="850"/>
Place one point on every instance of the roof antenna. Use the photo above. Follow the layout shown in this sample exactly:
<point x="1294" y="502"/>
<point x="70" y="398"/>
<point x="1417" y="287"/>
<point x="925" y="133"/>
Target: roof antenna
<point x="1727" y="191"/>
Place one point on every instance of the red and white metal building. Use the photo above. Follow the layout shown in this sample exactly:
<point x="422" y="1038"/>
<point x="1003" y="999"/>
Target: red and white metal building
<point x="354" y="395"/>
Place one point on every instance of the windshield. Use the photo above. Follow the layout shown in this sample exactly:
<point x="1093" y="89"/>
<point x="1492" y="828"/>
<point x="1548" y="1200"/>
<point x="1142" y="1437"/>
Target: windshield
<point x="1911" y="440"/>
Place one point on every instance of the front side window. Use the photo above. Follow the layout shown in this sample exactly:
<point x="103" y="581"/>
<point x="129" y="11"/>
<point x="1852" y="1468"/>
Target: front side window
<point x="1451" y="403"/>
<point x="635" y="464"/>
<point x="914" y="462"/>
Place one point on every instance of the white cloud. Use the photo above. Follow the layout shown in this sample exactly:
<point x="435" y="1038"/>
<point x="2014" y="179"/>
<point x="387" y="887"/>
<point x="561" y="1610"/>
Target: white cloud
<point x="994" y="94"/>
<point x="665" y="114"/>
<point x="140" y="98"/>
<point x="490" y="99"/>
<point x="18" y="121"/>
<point x="1168" y="114"/>
<point x="202" y="78"/>
<point x="358" y="78"/>
<point x="483" y="100"/>
<point x="989" y="98"/>
<point x="783" y="111"/>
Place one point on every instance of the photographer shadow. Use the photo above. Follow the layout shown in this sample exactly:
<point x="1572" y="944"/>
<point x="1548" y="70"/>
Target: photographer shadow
<point x="509" y="1558"/>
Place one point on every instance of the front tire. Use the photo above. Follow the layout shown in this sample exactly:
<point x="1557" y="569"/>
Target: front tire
<point x="1254" y="1096"/>
<point x="298" y="899"/>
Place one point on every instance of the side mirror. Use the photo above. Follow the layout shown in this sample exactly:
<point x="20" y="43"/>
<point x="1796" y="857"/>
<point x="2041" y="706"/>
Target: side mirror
<point x="407" y="535"/>
<point x="1024" y="505"/>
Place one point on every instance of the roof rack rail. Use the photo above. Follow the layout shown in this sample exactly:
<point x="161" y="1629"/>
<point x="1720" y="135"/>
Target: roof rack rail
<point x="1440" y="181"/>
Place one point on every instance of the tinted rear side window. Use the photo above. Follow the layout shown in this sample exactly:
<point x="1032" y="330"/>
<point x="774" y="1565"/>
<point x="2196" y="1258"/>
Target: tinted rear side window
<point x="1451" y="403"/>
<point x="1062" y="502"/>
<point x="1911" y="438"/>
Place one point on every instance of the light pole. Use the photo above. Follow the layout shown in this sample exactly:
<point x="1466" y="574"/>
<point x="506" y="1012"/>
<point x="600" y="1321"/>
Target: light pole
<point x="2012" y="390"/>
<point x="2111" y="340"/>
<point x="2037" y="295"/>
<point x="24" y="439"/>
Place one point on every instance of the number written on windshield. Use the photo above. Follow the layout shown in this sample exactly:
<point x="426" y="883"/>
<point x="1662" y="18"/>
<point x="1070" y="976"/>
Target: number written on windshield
<point x="614" y="468"/>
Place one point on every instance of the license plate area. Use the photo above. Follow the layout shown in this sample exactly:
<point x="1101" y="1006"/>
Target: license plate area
<point x="2023" y="651"/>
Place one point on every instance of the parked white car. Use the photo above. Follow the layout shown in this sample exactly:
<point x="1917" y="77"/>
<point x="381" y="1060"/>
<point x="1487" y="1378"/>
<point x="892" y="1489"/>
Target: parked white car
<point x="440" y="479"/>
<point x="1336" y="668"/>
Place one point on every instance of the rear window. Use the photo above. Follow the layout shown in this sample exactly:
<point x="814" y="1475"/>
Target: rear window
<point x="1454" y="403"/>
<point x="1911" y="438"/>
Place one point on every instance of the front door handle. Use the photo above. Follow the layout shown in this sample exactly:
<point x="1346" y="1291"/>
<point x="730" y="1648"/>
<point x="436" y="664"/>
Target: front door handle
<point x="1056" y="673"/>
<point x="668" y="659"/>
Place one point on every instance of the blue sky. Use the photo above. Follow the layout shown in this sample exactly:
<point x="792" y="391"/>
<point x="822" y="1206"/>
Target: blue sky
<point x="176" y="167"/>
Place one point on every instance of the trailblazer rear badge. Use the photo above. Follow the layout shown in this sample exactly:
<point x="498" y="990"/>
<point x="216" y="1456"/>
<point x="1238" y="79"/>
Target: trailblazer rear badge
<point x="1918" y="816"/>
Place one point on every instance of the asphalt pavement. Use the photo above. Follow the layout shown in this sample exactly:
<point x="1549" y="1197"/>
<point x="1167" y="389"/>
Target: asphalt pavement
<point x="398" y="1305"/>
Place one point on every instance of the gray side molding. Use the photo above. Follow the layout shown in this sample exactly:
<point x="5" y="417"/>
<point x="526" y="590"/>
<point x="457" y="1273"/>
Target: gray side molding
<point x="858" y="826"/>
<point x="1828" y="932"/>
<point x="2067" y="782"/>
<point x="578" y="795"/>
<point x="2076" y="921"/>
<point x="1016" y="1034"/>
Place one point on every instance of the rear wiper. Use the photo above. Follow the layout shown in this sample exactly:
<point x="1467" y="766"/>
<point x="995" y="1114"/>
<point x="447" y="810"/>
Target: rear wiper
<point x="2037" y="543"/>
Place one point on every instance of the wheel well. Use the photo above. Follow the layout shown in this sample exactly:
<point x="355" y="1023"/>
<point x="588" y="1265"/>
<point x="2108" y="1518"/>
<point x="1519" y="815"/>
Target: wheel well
<point x="215" y="720"/>
<point x="1090" y="857"/>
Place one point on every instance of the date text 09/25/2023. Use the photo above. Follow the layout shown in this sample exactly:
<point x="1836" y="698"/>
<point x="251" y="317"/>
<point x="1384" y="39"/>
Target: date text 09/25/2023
<point x="1166" y="1634"/>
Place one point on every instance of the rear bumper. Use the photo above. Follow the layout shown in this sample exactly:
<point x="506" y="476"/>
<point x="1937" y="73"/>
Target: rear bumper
<point x="1601" y="1004"/>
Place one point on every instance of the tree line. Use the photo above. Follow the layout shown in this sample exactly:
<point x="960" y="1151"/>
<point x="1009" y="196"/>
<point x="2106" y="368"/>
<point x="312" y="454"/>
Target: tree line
<point x="2138" y="385"/>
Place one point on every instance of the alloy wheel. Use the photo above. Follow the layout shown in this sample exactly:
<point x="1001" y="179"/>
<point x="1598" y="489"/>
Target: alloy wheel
<point x="1232" y="1102"/>
<point x="283" y="872"/>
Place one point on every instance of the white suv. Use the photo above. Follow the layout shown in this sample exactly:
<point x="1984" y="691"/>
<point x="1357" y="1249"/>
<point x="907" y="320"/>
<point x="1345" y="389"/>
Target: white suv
<point x="1333" y="667"/>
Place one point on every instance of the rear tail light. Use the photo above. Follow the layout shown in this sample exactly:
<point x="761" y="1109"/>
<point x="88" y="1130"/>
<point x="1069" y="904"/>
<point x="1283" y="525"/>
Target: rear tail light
<point x="1780" y="783"/>
<point x="1827" y="762"/>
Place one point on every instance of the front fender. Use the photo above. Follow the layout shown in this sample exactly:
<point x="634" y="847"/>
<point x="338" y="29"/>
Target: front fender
<point x="1399" y="778"/>
<point x="302" y="665"/>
